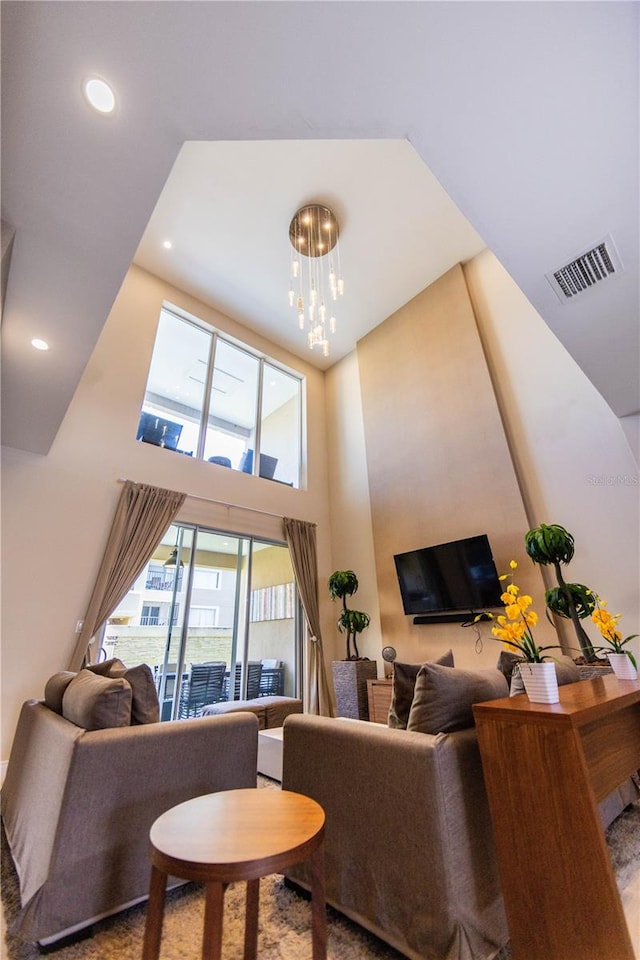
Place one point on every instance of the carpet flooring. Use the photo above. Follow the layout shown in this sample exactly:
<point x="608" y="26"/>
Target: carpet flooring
<point x="284" y="917"/>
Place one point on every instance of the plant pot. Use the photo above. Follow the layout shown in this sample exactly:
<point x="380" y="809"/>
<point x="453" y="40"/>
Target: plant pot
<point x="540" y="682"/>
<point x="622" y="666"/>
<point x="350" y="683"/>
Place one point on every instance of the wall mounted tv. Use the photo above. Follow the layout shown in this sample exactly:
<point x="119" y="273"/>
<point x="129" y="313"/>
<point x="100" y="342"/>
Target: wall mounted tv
<point x="449" y="581"/>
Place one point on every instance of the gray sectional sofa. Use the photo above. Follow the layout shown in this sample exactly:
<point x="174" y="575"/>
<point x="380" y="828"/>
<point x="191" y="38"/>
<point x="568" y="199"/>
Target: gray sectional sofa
<point x="78" y="804"/>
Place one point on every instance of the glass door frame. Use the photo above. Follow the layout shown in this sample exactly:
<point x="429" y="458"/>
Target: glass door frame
<point x="241" y="618"/>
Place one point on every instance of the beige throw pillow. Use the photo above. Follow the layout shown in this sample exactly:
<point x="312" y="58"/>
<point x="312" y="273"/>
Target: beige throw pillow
<point x="145" y="707"/>
<point x="55" y="688"/>
<point x="444" y="697"/>
<point x="404" y="681"/>
<point x="94" y="702"/>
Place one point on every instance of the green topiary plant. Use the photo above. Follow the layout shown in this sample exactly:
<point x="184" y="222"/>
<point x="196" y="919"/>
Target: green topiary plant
<point x="552" y="544"/>
<point x="343" y="584"/>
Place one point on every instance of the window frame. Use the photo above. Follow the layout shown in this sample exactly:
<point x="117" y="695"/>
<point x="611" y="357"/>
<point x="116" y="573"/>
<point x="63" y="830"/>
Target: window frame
<point x="216" y="337"/>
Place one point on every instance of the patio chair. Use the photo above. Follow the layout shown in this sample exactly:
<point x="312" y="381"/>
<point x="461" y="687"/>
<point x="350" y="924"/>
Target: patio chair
<point x="205" y="686"/>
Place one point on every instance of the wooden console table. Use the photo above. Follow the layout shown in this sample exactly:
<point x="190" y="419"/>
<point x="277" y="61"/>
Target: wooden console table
<point x="546" y="767"/>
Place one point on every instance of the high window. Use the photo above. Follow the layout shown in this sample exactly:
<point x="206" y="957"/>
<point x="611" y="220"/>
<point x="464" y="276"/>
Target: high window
<point x="209" y="398"/>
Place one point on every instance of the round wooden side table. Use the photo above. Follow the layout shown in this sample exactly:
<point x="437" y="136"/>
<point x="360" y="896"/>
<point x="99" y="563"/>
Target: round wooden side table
<point x="236" y="835"/>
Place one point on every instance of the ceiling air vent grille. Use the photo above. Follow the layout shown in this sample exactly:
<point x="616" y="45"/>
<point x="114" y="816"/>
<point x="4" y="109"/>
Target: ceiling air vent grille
<point x="583" y="273"/>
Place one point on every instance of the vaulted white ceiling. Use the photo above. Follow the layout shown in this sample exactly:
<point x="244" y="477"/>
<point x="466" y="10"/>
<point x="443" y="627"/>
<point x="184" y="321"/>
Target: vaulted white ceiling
<point x="522" y="117"/>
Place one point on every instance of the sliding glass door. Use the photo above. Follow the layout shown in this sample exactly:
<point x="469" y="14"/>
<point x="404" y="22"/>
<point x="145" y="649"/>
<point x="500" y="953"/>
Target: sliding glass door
<point x="216" y="616"/>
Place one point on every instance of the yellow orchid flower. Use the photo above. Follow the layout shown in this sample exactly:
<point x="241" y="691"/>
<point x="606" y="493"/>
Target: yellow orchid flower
<point x="512" y="627"/>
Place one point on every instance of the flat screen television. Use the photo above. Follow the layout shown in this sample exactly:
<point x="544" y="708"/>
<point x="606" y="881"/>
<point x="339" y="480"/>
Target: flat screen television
<point x="449" y="578"/>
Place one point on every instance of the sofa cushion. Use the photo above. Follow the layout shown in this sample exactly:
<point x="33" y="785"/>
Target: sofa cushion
<point x="237" y="706"/>
<point x="404" y="681"/>
<point x="566" y="672"/>
<point x="145" y="706"/>
<point x="277" y="709"/>
<point x="444" y="697"/>
<point x="94" y="702"/>
<point x="104" y="668"/>
<point x="506" y="662"/>
<point x="55" y="688"/>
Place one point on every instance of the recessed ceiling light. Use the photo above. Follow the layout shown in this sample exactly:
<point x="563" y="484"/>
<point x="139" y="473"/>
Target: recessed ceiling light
<point x="39" y="344"/>
<point x="99" y="95"/>
<point x="167" y="244"/>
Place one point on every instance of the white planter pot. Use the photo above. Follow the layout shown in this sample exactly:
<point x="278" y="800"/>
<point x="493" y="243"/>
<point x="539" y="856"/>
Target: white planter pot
<point x="622" y="666"/>
<point x="540" y="682"/>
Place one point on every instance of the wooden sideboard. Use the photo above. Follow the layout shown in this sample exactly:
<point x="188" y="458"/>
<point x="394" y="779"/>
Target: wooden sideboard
<point x="379" y="699"/>
<point x="546" y="767"/>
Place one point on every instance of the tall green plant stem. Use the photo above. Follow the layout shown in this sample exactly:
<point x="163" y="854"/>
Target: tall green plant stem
<point x="583" y="638"/>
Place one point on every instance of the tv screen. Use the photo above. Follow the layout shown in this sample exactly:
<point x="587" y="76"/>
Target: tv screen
<point x="459" y="576"/>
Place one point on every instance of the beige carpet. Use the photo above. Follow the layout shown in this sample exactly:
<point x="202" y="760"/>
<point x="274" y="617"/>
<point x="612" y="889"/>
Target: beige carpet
<point x="284" y="917"/>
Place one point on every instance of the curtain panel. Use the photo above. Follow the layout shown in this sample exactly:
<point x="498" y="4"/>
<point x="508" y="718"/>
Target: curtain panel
<point x="142" y="515"/>
<point x="301" y="539"/>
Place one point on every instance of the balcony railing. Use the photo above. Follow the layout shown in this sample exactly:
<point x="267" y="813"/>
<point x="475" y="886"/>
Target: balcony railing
<point x="161" y="583"/>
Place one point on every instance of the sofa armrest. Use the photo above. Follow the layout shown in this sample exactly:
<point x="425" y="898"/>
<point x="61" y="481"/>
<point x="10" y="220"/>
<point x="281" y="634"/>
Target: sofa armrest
<point x="33" y="789"/>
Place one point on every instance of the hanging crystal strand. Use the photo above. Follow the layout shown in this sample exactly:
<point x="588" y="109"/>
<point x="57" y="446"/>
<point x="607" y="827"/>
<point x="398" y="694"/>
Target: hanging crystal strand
<point x="340" y="281"/>
<point x="310" y="304"/>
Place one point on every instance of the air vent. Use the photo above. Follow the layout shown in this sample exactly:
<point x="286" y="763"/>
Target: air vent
<point x="583" y="273"/>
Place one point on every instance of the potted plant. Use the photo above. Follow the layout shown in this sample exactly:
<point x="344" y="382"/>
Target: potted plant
<point x="513" y="628"/>
<point x="343" y="584"/>
<point x="350" y="675"/>
<point x="622" y="661"/>
<point x="551" y="544"/>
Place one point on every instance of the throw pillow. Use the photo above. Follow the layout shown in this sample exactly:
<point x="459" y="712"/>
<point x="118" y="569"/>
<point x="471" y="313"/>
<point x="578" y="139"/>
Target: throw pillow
<point x="506" y="662"/>
<point x="566" y="672"/>
<point x="104" y="669"/>
<point x="55" y="688"/>
<point x="404" y="681"/>
<point x="94" y="702"/>
<point x="145" y="707"/>
<point x="444" y="697"/>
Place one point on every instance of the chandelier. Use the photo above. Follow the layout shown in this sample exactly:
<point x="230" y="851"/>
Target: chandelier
<point x="316" y="279"/>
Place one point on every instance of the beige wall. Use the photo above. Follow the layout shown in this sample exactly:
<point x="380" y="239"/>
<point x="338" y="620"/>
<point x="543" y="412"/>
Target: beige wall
<point x="438" y="461"/>
<point x="57" y="510"/>
<point x="351" y="535"/>
<point x="571" y="452"/>
<point x="572" y="460"/>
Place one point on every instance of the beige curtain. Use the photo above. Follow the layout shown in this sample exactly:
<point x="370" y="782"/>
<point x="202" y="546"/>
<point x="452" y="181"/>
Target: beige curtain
<point x="301" y="538"/>
<point x="142" y="516"/>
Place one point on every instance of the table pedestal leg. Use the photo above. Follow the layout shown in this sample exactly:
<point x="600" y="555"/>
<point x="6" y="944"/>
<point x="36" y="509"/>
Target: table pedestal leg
<point x="318" y="904"/>
<point x="251" y="920"/>
<point x="155" y="915"/>
<point x="213" y="912"/>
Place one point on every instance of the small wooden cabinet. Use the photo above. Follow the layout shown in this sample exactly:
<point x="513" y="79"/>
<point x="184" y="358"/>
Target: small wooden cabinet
<point x="379" y="699"/>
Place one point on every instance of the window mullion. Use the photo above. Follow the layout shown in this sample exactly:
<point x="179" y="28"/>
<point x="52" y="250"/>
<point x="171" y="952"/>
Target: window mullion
<point x="208" y="397"/>
<point x="258" y="430"/>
